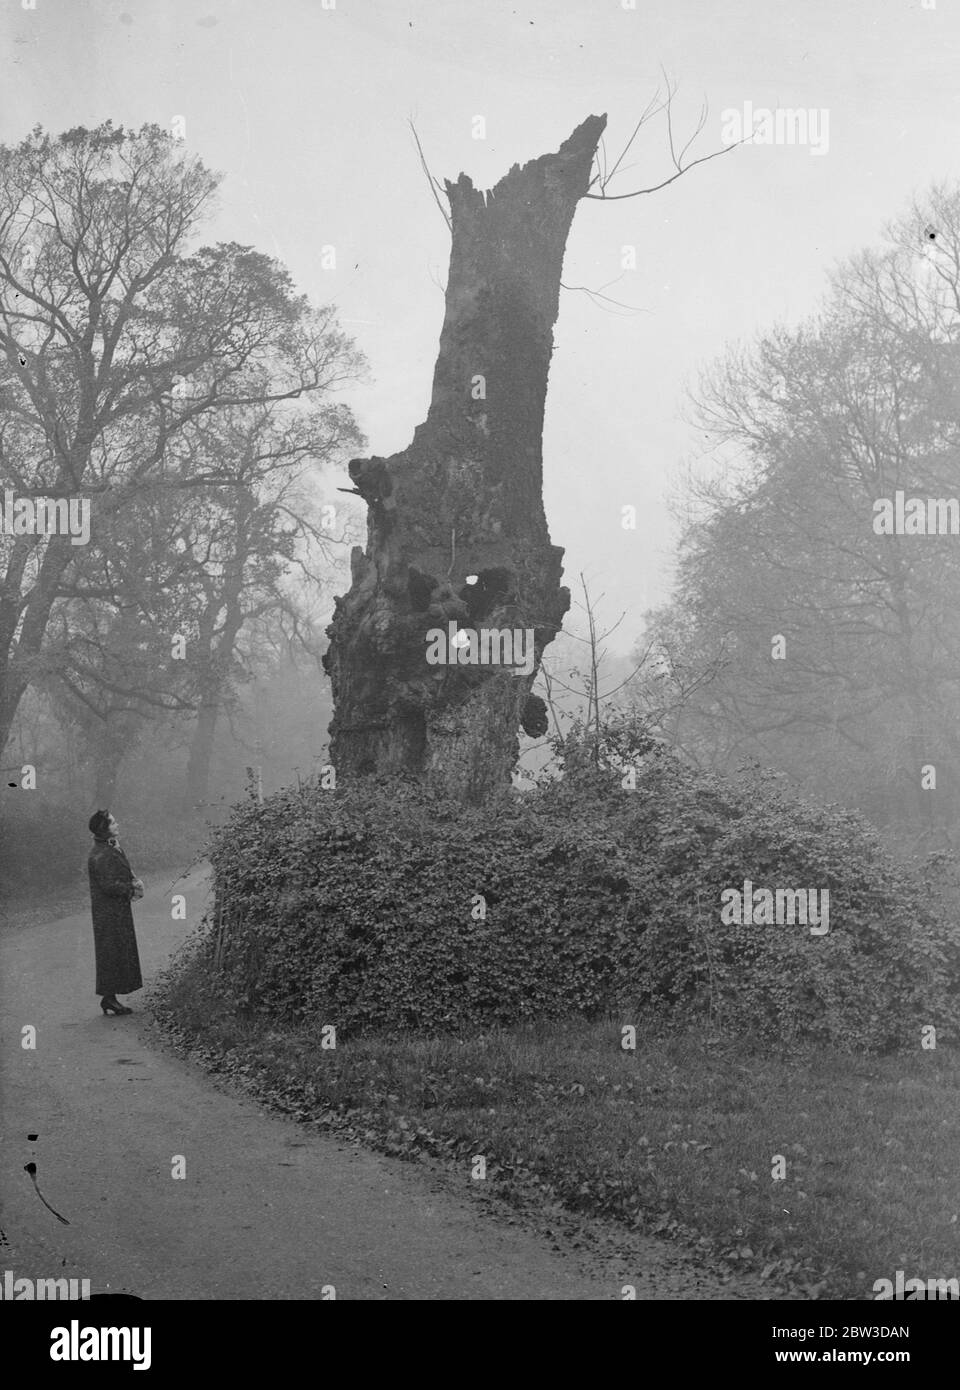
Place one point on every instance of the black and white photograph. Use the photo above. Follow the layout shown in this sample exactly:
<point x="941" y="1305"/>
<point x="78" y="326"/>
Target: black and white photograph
<point x="480" y="668"/>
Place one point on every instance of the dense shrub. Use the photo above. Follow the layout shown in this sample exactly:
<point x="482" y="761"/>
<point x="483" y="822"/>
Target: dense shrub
<point x="358" y="906"/>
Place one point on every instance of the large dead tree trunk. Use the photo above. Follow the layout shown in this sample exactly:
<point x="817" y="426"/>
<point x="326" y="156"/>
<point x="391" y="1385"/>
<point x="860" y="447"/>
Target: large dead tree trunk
<point x="464" y="501"/>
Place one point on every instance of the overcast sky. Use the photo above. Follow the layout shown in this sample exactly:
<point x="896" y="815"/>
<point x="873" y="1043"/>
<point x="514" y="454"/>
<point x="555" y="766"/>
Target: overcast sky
<point x="304" y="110"/>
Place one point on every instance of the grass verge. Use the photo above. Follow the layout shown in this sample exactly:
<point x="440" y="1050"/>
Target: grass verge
<point x="679" y="1137"/>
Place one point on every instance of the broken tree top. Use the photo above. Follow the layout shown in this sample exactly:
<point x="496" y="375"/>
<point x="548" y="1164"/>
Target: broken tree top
<point x="568" y="158"/>
<point x="523" y="221"/>
<point x="464" y="499"/>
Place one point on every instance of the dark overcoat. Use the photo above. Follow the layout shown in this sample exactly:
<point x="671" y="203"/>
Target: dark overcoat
<point x="115" y="944"/>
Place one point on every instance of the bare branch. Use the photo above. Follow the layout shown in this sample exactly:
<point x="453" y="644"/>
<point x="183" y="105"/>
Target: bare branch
<point x="653" y="108"/>
<point x="648" y="114"/>
<point x="596" y="294"/>
<point x="655" y="188"/>
<point x="430" y="179"/>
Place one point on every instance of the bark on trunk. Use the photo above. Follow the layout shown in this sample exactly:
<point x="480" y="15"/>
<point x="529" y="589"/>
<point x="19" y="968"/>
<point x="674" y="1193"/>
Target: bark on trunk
<point x="201" y="755"/>
<point x="13" y="692"/>
<point x="214" y="668"/>
<point x="464" y="500"/>
<point x="18" y="654"/>
<point x="110" y="748"/>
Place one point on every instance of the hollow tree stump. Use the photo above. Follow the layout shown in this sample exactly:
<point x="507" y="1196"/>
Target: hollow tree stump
<point x="465" y="499"/>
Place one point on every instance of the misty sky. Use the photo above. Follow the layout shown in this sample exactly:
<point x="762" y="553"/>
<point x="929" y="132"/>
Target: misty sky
<point x="305" y="112"/>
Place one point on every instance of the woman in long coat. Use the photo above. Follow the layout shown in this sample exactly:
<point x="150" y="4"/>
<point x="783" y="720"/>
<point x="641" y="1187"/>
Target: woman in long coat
<point x="112" y="887"/>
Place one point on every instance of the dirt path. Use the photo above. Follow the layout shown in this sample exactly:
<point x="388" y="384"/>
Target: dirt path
<point x="267" y="1209"/>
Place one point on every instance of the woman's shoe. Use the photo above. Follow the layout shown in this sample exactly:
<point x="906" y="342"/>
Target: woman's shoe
<point x="111" y="1006"/>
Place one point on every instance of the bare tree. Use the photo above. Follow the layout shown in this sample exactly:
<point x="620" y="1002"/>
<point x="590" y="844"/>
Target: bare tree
<point x="116" y="340"/>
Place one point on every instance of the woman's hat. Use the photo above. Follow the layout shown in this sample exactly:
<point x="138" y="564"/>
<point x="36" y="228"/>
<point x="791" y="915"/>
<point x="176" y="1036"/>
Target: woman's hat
<point x="99" y="823"/>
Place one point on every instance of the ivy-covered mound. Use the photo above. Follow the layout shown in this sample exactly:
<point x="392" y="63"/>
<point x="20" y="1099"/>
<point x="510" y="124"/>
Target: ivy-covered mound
<point x="374" y="907"/>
